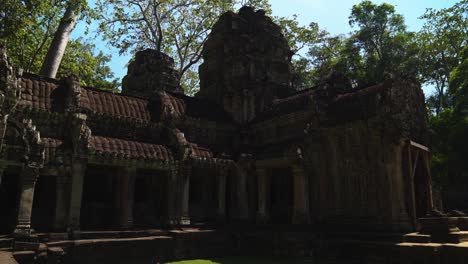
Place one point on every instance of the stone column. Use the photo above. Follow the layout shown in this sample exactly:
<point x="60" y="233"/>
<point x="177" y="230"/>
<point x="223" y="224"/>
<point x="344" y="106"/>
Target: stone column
<point x="173" y="199"/>
<point x="263" y="195"/>
<point x="127" y="191"/>
<point x="2" y="170"/>
<point x="78" y="170"/>
<point x="61" y="205"/>
<point x="301" y="196"/>
<point x="242" y="197"/>
<point x="29" y="177"/>
<point x="185" y="195"/>
<point x="221" y="214"/>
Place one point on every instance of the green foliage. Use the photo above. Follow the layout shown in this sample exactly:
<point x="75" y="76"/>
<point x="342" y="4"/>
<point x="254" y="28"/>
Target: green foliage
<point x="180" y="28"/>
<point x="441" y="40"/>
<point x="81" y="59"/>
<point x="28" y="28"/>
<point x="379" y="44"/>
<point x="444" y="63"/>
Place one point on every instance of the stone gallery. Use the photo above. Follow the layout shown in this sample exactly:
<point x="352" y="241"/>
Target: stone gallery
<point x="247" y="166"/>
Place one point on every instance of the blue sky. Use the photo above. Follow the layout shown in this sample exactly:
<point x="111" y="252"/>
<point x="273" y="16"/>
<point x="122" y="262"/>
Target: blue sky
<point x="331" y="15"/>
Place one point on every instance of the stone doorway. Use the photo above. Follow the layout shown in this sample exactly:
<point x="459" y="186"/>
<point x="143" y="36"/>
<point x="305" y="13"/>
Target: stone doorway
<point x="418" y="181"/>
<point x="150" y="199"/>
<point x="99" y="199"/>
<point x="43" y="211"/>
<point x="421" y="188"/>
<point x="9" y="195"/>
<point x="281" y="196"/>
<point x="203" y="198"/>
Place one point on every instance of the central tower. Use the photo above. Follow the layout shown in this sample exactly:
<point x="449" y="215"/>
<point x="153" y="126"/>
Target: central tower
<point x="246" y="64"/>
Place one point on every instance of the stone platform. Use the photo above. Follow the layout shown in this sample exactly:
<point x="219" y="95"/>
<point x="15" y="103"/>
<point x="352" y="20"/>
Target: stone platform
<point x="156" y="245"/>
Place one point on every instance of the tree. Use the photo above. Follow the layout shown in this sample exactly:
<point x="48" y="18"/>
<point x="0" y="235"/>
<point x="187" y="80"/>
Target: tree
<point x="82" y="60"/>
<point x="450" y="127"/>
<point x="444" y="63"/>
<point x="57" y="47"/>
<point x="441" y="39"/>
<point x="383" y="41"/>
<point x="380" y="43"/>
<point x="179" y="28"/>
<point x="28" y="37"/>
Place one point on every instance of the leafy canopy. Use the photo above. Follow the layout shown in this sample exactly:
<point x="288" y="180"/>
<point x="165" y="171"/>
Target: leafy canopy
<point x="27" y="28"/>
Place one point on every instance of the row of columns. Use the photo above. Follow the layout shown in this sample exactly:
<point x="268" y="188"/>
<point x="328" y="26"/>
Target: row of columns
<point x="70" y="188"/>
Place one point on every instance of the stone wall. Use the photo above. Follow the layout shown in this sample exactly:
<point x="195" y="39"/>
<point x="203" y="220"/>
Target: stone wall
<point x="151" y="71"/>
<point x="246" y="64"/>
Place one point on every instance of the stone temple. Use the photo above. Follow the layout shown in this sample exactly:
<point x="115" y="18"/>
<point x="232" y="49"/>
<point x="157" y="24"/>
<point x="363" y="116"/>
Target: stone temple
<point x="248" y="166"/>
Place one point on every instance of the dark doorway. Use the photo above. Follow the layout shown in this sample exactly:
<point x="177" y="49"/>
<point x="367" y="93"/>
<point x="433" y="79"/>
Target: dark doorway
<point x="99" y="199"/>
<point x="203" y="202"/>
<point x="9" y="194"/>
<point x="150" y="202"/>
<point x="43" y="211"/>
<point x="421" y="187"/>
<point x="281" y="196"/>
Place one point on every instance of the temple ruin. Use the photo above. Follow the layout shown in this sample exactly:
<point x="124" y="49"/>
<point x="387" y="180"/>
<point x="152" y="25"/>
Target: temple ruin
<point x="172" y="176"/>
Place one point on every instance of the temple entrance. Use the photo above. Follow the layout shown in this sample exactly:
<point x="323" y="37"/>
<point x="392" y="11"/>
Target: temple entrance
<point x="281" y="195"/>
<point x="43" y="211"/>
<point x="99" y="199"/>
<point x="419" y="200"/>
<point x="421" y="187"/>
<point x="203" y="202"/>
<point x="9" y="194"/>
<point x="150" y="201"/>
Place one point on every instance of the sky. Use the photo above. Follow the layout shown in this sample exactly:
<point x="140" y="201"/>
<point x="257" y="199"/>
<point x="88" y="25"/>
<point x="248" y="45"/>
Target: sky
<point x="331" y="15"/>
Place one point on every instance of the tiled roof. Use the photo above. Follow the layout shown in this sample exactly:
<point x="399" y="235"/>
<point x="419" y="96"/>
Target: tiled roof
<point x="183" y="105"/>
<point x="36" y="92"/>
<point x="129" y="149"/>
<point x="51" y="146"/>
<point x="358" y="94"/>
<point x="105" y="102"/>
<point x="200" y="152"/>
<point x="293" y="103"/>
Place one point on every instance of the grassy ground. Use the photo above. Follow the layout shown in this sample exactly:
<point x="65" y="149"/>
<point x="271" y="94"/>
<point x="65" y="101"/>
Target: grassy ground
<point x="245" y="260"/>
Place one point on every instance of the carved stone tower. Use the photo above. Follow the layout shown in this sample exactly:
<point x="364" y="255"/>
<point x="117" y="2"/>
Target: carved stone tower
<point x="151" y="71"/>
<point x="247" y="64"/>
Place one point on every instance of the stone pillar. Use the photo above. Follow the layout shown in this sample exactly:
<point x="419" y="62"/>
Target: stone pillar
<point x="2" y="170"/>
<point x="263" y="195"/>
<point x="221" y="214"/>
<point x="242" y="196"/>
<point x="173" y="199"/>
<point x="78" y="170"/>
<point x="185" y="195"/>
<point x="61" y="205"/>
<point x="301" y="196"/>
<point x="127" y="195"/>
<point x="29" y="177"/>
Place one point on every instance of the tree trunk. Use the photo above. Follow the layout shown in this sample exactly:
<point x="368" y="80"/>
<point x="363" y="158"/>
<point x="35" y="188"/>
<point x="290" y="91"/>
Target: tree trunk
<point x="59" y="43"/>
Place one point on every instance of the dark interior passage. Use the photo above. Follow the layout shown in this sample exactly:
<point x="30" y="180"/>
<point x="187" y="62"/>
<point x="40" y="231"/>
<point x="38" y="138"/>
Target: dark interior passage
<point x="281" y="195"/>
<point x="421" y="188"/>
<point x="9" y="194"/>
<point x="203" y="200"/>
<point x="98" y="205"/>
<point x="43" y="211"/>
<point x="150" y="201"/>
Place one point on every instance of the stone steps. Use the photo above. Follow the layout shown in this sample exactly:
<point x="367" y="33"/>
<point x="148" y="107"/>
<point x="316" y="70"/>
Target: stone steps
<point x="24" y="256"/>
<point x="6" y="257"/>
<point x="50" y="237"/>
<point x="453" y="237"/>
<point x="6" y="242"/>
<point x="417" y="238"/>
